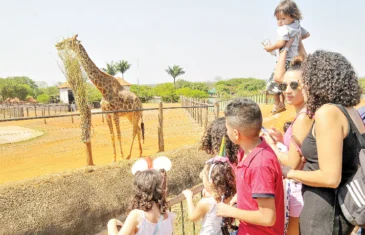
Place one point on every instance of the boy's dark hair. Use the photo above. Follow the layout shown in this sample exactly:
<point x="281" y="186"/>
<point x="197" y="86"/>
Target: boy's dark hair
<point x="286" y="126"/>
<point x="290" y="8"/>
<point x="212" y="139"/>
<point x="244" y="115"/>
<point x="149" y="187"/>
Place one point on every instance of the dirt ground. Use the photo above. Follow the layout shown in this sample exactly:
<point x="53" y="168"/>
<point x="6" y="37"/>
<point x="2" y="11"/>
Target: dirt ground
<point x="60" y="147"/>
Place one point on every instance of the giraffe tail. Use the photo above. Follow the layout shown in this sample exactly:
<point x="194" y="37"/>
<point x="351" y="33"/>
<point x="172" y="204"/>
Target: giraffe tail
<point x="142" y="128"/>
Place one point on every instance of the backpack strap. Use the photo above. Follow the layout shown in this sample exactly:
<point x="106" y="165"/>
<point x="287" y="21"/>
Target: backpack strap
<point x="353" y="126"/>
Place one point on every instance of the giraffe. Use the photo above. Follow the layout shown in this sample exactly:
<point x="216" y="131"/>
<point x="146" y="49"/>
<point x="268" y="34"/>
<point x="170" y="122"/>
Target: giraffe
<point x="115" y="97"/>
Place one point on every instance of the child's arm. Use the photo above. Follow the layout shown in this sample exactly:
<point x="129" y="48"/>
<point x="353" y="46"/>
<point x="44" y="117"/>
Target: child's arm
<point x="195" y="214"/>
<point x="263" y="182"/>
<point x="277" y="45"/>
<point x="305" y="34"/>
<point x="130" y="223"/>
<point x="264" y="216"/>
<point x="113" y="226"/>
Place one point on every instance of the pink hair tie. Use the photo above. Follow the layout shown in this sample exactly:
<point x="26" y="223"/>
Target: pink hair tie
<point x="214" y="161"/>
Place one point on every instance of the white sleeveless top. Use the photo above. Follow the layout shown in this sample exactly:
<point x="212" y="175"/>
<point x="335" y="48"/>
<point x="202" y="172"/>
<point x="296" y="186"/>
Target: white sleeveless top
<point x="211" y="223"/>
<point x="146" y="227"/>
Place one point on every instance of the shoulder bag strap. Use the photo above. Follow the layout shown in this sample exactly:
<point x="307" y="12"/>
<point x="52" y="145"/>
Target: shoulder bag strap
<point x="353" y="126"/>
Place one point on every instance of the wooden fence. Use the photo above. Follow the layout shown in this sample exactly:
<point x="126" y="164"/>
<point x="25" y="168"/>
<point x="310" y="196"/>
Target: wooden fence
<point x="18" y="110"/>
<point x="198" y="109"/>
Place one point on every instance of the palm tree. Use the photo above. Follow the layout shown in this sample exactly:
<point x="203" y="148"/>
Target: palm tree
<point x="175" y="71"/>
<point x="110" y="69"/>
<point x="122" y="66"/>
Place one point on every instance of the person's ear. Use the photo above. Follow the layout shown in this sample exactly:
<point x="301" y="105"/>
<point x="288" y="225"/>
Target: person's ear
<point x="236" y="134"/>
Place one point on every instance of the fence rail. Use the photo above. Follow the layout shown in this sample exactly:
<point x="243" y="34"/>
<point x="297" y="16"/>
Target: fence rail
<point x="9" y="110"/>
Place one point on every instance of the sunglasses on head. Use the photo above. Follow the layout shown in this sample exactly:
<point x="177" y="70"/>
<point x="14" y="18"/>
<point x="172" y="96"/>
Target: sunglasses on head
<point x="293" y="85"/>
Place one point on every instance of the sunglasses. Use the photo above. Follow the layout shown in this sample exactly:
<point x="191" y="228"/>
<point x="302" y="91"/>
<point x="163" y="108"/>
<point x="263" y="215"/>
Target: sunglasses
<point x="293" y="85"/>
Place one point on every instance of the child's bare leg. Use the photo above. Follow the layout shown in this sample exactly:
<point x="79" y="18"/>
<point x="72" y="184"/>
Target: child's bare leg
<point x="282" y="98"/>
<point x="276" y="99"/>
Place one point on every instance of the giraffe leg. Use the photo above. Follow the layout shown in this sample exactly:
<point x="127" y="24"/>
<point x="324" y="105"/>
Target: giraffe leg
<point x="117" y="127"/>
<point x="132" y="118"/>
<point x="139" y="138"/>
<point x="110" y="124"/>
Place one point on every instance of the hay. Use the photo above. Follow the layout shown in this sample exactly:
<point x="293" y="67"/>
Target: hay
<point x="82" y="201"/>
<point x="77" y="78"/>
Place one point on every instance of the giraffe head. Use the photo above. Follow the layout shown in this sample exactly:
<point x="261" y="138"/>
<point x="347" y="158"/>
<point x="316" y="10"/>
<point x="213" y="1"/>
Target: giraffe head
<point x="69" y="43"/>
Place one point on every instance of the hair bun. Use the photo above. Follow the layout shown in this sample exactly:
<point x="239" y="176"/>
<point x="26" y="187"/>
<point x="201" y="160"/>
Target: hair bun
<point x="297" y="61"/>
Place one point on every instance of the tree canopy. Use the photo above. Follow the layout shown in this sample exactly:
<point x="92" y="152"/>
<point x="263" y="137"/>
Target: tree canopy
<point x="110" y="69"/>
<point x="175" y="71"/>
<point x="122" y="66"/>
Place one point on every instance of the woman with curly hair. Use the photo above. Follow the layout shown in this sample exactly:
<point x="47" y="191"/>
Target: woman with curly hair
<point x="219" y="184"/>
<point x="293" y="137"/>
<point x="148" y="211"/>
<point x="212" y="140"/>
<point x="331" y="146"/>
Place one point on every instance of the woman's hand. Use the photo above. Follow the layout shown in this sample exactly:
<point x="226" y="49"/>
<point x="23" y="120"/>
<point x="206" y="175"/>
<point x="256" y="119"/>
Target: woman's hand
<point x="276" y="135"/>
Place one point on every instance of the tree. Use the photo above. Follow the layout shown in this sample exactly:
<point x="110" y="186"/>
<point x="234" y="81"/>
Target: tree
<point x="166" y="91"/>
<point x="93" y="94"/>
<point x="19" y="87"/>
<point x="175" y="71"/>
<point x="110" y="69"/>
<point x="122" y="66"/>
<point x="143" y="92"/>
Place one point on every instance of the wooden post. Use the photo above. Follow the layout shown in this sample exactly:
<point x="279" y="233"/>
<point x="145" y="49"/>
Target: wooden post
<point x="216" y="110"/>
<point x="266" y="97"/>
<point x="102" y="118"/>
<point x="89" y="154"/>
<point x="49" y="111"/>
<point x="161" y="144"/>
<point x="27" y="112"/>
<point x="60" y="109"/>
<point x="206" y="118"/>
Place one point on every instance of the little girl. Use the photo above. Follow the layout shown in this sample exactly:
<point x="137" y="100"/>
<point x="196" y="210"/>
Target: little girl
<point x="148" y="212"/>
<point x="219" y="184"/>
<point x="288" y="16"/>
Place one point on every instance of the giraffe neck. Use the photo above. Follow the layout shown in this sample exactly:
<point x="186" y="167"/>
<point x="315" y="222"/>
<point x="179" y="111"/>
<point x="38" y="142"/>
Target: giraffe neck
<point x="101" y="80"/>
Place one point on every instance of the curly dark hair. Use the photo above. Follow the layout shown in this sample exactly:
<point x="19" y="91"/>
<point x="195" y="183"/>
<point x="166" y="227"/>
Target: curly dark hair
<point x="223" y="179"/>
<point x="329" y="78"/>
<point x="212" y="139"/>
<point x="149" y="187"/>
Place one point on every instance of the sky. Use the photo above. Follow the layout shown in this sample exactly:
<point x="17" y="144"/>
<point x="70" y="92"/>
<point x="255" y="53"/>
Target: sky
<point x="207" y="38"/>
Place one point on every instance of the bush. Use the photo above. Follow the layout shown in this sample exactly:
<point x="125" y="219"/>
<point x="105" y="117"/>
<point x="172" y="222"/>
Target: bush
<point x="44" y="98"/>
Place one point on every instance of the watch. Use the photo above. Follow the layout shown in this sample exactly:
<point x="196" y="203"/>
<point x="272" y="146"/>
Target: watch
<point x="283" y="49"/>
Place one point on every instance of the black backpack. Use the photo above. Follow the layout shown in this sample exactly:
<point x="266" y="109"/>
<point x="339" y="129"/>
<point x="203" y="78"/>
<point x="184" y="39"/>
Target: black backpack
<point x="351" y="195"/>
